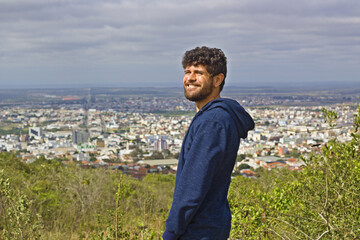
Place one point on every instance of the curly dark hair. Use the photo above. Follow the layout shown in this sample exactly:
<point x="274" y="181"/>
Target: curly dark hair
<point x="213" y="59"/>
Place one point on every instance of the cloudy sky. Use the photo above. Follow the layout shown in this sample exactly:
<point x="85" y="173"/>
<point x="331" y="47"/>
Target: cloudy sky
<point x="54" y="43"/>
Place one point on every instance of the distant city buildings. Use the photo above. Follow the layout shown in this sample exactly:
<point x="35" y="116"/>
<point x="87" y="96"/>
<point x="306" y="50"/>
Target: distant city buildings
<point x="35" y="132"/>
<point x="130" y="132"/>
<point x="80" y="136"/>
<point x="160" y="144"/>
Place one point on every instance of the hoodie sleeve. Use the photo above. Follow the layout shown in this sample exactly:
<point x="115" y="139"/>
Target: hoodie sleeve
<point x="201" y="161"/>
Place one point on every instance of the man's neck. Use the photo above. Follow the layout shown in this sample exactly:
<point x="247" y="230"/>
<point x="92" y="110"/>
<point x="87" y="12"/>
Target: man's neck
<point x="202" y="103"/>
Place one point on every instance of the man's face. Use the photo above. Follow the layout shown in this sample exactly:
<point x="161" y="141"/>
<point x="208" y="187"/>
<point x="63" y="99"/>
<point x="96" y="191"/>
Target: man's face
<point x="198" y="83"/>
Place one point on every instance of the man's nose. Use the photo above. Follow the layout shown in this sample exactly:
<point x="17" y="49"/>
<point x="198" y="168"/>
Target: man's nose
<point x="192" y="76"/>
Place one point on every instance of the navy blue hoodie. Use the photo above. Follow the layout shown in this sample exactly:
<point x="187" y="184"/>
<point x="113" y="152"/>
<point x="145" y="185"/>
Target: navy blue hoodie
<point x="200" y="210"/>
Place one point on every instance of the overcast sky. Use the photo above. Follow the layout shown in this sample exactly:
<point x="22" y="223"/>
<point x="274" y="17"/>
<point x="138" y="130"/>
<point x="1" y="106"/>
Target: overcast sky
<point x="54" y="43"/>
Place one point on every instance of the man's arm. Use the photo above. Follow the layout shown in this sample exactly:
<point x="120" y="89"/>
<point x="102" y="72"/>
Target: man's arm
<point x="201" y="162"/>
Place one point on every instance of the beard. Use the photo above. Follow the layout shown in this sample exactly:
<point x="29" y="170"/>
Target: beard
<point x="200" y="94"/>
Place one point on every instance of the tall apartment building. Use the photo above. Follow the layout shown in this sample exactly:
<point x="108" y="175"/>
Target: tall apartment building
<point x="80" y="136"/>
<point x="35" y="132"/>
<point x="160" y="144"/>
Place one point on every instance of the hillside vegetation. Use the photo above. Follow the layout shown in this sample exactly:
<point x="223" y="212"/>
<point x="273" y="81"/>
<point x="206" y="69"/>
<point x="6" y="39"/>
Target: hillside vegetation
<point x="49" y="200"/>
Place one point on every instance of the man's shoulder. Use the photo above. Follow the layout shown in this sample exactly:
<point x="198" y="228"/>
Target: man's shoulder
<point x="217" y="116"/>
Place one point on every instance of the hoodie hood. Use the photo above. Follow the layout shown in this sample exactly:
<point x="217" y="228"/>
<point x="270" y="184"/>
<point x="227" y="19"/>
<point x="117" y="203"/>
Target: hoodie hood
<point x="242" y="119"/>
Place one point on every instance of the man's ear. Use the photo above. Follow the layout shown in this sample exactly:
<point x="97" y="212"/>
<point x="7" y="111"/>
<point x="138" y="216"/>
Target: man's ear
<point x="218" y="79"/>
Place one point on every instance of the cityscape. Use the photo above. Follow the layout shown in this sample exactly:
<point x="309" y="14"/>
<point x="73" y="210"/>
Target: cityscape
<point x="141" y="131"/>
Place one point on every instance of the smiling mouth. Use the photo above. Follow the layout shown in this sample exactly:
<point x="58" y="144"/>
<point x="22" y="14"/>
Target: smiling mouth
<point x="191" y="86"/>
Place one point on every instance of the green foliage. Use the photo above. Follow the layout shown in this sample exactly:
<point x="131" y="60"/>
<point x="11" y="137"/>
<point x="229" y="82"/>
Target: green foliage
<point x="255" y="202"/>
<point x="136" y="154"/>
<point x="330" y="117"/>
<point x="48" y="200"/>
<point x="243" y="166"/>
<point x="320" y="202"/>
<point x="8" y="127"/>
<point x="17" y="222"/>
<point x="240" y="157"/>
<point x="295" y="153"/>
<point x="166" y="153"/>
<point x="156" y="155"/>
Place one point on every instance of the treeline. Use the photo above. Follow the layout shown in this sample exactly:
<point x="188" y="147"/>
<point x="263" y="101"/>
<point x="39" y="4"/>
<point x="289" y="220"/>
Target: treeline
<point x="48" y="200"/>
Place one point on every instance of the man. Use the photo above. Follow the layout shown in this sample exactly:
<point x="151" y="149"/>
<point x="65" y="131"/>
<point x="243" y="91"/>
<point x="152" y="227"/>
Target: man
<point x="200" y="210"/>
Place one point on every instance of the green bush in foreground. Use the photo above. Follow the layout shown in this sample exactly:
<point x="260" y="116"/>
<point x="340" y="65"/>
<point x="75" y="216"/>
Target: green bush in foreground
<point x="320" y="202"/>
<point x="46" y="200"/>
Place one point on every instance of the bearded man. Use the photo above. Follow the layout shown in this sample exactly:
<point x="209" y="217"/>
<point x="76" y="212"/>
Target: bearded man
<point x="200" y="209"/>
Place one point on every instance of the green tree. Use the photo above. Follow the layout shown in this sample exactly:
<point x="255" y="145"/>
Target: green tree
<point x="243" y="166"/>
<point x="136" y="154"/>
<point x="166" y="153"/>
<point x="156" y="155"/>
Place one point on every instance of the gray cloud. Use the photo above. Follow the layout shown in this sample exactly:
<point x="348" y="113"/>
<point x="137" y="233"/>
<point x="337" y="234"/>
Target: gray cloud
<point x="277" y="35"/>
